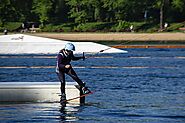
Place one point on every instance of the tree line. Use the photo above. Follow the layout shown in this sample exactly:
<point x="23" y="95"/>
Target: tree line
<point x="84" y="11"/>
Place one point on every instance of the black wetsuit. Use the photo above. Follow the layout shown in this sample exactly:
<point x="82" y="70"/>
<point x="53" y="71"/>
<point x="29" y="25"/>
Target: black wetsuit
<point x="64" y="59"/>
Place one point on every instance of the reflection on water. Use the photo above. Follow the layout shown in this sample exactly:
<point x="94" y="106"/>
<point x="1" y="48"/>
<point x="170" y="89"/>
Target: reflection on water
<point x="69" y="111"/>
<point x="39" y="112"/>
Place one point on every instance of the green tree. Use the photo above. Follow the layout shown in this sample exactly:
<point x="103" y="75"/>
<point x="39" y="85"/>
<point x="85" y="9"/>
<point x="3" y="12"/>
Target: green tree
<point x="59" y="11"/>
<point x="86" y="10"/>
<point x="178" y="4"/>
<point x="78" y="10"/>
<point x="177" y="10"/>
<point x="43" y="9"/>
<point x="166" y="7"/>
<point x="7" y="12"/>
<point x="82" y="11"/>
<point x="15" y="10"/>
<point x="22" y="10"/>
<point x="126" y="10"/>
<point x="98" y="11"/>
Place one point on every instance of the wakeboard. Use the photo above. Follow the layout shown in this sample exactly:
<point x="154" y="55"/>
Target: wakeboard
<point x="83" y="95"/>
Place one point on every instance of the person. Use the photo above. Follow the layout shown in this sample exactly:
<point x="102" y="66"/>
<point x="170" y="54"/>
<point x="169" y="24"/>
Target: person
<point x="132" y="28"/>
<point x="165" y="25"/>
<point x="5" y="32"/>
<point x="63" y="67"/>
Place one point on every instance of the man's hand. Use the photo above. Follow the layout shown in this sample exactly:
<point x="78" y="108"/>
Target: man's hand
<point x="83" y="57"/>
<point x="68" y="66"/>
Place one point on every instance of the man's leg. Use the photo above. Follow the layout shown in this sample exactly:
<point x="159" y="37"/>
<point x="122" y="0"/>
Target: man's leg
<point x="61" y="77"/>
<point x="73" y="74"/>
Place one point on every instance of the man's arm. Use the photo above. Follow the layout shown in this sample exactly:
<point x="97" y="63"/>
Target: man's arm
<point x="74" y="58"/>
<point x="59" y="59"/>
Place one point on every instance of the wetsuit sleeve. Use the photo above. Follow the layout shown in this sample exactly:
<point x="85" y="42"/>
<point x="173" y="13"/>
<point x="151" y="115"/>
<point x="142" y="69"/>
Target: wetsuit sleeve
<point x="76" y="58"/>
<point x="59" y="62"/>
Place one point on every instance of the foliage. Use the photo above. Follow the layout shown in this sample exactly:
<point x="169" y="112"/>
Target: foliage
<point x="11" y="26"/>
<point x="58" y="28"/>
<point x="122" y="26"/>
<point x="175" y="26"/>
<point x="86" y="13"/>
<point x="92" y="27"/>
<point x="42" y="8"/>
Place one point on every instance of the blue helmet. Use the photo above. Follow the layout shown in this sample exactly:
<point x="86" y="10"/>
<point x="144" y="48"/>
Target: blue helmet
<point x="69" y="46"/>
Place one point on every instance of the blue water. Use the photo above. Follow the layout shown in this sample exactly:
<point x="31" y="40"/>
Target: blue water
<point x="143" y="86"/>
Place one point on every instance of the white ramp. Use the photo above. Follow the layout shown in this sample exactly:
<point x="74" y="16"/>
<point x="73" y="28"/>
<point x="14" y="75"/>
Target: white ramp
<point x="26" y="44"/>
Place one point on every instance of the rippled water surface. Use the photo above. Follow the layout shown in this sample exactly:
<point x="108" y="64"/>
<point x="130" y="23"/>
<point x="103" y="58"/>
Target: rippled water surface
<point x="145" y="85"/>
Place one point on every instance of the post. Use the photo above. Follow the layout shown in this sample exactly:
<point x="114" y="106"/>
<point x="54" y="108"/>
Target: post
<point x="82" y="99"/>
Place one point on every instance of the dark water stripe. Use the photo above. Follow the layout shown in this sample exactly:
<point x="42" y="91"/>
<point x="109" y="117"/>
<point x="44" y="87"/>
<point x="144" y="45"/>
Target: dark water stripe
<point x="118" y="114"/>
<point x="129" y="57"/>
<point x="96" y="67"/>
<point x="51" y="57"/>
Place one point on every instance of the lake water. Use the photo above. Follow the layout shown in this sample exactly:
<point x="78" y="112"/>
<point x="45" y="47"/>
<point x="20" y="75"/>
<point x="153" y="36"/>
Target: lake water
<point x="143" y="86"/>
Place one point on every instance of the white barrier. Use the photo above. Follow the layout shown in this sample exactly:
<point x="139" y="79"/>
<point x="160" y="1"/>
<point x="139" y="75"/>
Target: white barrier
<point x="36" y="92"/>
<point x="26" y="44"/>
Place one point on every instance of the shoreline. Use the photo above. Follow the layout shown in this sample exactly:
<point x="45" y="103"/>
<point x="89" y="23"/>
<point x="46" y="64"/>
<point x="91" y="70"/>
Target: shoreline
<point x="122" y="40"/>
<point x="125" y="40"/>
<point x="148" y="46"/>
<point x="114" y="36"/>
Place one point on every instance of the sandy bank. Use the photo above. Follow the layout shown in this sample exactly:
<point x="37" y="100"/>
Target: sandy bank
<point x="115" y="36"/>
